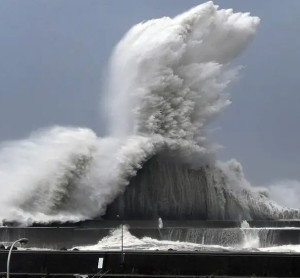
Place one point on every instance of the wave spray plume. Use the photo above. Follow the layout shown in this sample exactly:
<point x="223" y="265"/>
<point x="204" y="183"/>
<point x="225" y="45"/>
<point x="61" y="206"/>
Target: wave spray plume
<point x="166" y="84"/>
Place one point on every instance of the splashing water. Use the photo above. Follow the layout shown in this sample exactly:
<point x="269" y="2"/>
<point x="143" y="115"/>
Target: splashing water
<point x="251" y="237"/>
<point x="113" y="242"/>
<point x="167" y="82"/>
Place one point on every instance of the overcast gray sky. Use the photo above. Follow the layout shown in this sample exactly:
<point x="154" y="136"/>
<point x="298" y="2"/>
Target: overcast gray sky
<point x="53" y="54"/>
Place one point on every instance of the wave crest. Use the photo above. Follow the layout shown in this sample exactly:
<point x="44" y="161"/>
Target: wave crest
<point x="167" y="82"/>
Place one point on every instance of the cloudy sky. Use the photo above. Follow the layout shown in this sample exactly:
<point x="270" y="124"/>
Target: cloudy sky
<point x="53" y="55"/>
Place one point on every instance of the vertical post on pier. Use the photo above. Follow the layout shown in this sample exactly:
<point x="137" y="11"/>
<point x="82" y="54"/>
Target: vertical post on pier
<point x="122" y="239"/>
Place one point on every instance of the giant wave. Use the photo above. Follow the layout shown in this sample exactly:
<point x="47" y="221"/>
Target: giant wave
<point x="167" y="81"/>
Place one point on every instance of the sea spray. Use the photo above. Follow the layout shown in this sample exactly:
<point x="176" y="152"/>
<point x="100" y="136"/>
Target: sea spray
<point x="168" y="76"/>
<point x="167" y="81"/>
<point x="66" y="174"/>
<point x="250" y="236"/>
<point x="113" y="242"/>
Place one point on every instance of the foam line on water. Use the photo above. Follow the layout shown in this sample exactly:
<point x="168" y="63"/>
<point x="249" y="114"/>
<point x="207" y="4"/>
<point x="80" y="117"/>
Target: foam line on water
<point x="114" y="240"/>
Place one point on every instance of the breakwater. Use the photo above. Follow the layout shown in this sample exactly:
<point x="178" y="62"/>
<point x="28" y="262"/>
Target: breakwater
<point x="150" y="263"/>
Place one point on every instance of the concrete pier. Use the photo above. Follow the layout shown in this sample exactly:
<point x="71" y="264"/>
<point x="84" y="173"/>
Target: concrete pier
<point x="134" y="264"/>
<point x="207" y="232"/>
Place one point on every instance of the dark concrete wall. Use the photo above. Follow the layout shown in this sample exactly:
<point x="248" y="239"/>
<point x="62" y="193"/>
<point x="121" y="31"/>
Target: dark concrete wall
<point x="163" y="263"/>
<point x="225" y="234"/>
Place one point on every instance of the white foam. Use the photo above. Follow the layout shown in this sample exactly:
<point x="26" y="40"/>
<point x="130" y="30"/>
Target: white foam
<point x="167" y="82"/>
<point x="113" y="242"/>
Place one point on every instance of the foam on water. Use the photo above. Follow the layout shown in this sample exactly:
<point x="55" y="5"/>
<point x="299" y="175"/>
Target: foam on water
<point x="130" y="242"/>
<point x="113" y="242"/>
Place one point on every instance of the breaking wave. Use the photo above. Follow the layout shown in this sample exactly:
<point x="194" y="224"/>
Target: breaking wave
<point x="248" y="242"/>
<point x="113" y="242"/>
<point x="166" y="84"/>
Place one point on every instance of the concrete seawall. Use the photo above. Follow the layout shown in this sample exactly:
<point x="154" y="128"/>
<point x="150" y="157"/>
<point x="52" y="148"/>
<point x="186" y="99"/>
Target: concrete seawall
<point x="152" y="263"/>
<point x="207" y="232"/>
